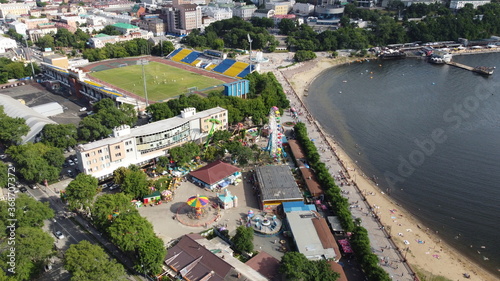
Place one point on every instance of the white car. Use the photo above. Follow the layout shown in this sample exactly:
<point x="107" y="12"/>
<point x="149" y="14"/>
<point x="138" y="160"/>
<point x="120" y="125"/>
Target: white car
<point x="59" y="234"/>
<point x="83" y="109"/>
<point x="71" y="163"/>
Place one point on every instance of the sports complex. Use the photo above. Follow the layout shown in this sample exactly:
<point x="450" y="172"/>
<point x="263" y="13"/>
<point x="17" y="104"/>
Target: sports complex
<point x="183" y="71"/>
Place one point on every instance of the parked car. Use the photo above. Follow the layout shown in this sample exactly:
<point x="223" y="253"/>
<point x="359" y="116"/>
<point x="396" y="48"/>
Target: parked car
<point x="71" y="163"/>
<point x="114" y="186"/>
<point x="59" y="234"/>
<point x="3" y="156"/>
<point x="23" y="189"/>
<point x="70" y="173"/>
<point x="83" y="109"/>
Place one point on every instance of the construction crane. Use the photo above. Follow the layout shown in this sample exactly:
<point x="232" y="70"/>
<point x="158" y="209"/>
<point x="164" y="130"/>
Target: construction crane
<point x="211" y="132"/>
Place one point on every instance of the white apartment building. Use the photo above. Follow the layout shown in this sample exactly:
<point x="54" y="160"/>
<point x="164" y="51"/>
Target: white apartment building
<point x="217" y="13"/>
<point x="18" y="26"/>
<point x="244" y="11"/>
<point x="7" y="43"/>
<point x="303" y="9"/>
<point x="140" y="145"/>
<point x="459" y="4"/>
<point x="14" y="9"/>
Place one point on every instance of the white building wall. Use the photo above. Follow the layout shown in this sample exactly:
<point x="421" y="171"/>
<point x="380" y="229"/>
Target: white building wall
<point x="7" y="43"/>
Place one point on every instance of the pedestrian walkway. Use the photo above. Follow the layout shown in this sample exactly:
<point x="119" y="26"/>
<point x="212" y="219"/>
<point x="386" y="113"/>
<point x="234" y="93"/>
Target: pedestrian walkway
<point x="391" y="260"/>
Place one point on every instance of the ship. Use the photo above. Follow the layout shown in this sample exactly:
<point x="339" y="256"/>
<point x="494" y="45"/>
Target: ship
<point x="392" y="54"/>
<point x="485" y="70"/>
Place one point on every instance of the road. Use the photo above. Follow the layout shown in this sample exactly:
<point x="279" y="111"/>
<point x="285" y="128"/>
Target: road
<point x="73" y="232"/>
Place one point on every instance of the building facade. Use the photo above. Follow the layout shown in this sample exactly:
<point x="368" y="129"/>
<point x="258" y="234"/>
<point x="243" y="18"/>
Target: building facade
<point x="244" y="11"/>
<point x="138" y="146"/>
<point x="14" y="9"/>
<point x="7" y="43"/>
<point x="459" y="4"/>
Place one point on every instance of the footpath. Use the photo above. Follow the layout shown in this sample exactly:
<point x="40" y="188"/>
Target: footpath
<point x="391" y="259"/>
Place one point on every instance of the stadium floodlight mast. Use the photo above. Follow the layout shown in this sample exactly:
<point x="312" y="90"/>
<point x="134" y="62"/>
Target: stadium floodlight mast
<point x="250" y="55"/>
<point x="143" y="62"/>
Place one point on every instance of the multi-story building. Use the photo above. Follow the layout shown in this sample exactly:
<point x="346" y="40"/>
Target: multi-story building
<point x="264" y="13"/>
<point x="18" y="26"/>
<point x="182" y="18"/>
<point x="280" y="8"/>
<point x="244" y="11"/>
<point x="7" y="43"/>
<point x="217" y="13"/>
<point x="138" y="146"/>
<point x="154" y="25"/>
<point x="14" y="9"/>
<point x="33" y="23"/>
<point x="459" y="4"/>
<point x="44" y="29"/>
<point x="303" y="9"/>
<point x="126" y="28"/>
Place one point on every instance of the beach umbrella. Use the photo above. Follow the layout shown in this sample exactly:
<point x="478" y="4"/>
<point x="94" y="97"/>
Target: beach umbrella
<point x="198" y="201"/>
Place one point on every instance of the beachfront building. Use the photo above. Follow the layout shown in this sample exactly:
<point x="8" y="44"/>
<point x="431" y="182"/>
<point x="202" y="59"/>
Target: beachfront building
<point x="139" y="145"/>
<point x="276" y="184"/>
<point x="310" y="232"/>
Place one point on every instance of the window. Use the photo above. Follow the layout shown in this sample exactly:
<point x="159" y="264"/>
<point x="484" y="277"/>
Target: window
<point x="94" y="161"/>
<point x="87" y="155"/>
<point x="88" y="162"/>
<point x="93" y="153"/>
<point x="106" y="156"/>
<point x="118" y="154"/>
<point x="99" y="151"/>
<point x="101" y="158"/>
<point x="117" y="147"/>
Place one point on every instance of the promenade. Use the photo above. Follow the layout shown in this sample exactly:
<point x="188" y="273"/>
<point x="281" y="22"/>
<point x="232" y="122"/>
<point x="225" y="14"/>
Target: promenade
<point x="391" y="259"/>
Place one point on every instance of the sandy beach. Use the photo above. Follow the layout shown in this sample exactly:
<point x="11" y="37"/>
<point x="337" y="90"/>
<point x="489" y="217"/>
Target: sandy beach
<point x="421" y="246"/>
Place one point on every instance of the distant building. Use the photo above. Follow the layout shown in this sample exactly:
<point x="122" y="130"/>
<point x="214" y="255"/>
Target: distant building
<point x="217" y="13"/>
<point x="44" y="29"/>
<point x="280" y="8"/>
<point x="125" y="28"/>
<point x="19" y="27"/>
<point x="264" y="13"/>
<point x="7" y="43"/>
<point x="141" y="144"/>
<point x="244" y="11"/>
<point x="459" y="4"/>
<point x="14" y="9"/>
<point x="303" y="9"/>
<point x="56" y="60"/>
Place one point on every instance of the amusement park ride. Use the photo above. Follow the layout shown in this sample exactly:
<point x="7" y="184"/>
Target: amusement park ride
<point x="211" y="132"/>
<point x="274" y="145"/>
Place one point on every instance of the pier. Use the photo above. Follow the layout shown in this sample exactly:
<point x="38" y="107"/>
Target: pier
<point x="479" y="69"/>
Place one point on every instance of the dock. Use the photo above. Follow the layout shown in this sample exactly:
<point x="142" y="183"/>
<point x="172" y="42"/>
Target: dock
<point x="478" y="69"/>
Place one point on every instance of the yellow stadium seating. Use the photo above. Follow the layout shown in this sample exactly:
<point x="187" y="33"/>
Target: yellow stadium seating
<point x="236" y="69"/>
<point x="180" y="55"/>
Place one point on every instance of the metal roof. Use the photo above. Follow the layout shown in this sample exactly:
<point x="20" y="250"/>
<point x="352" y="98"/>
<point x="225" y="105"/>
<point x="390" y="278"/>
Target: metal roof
<point x="36" y="121"/>
<point x="277" y="183"/>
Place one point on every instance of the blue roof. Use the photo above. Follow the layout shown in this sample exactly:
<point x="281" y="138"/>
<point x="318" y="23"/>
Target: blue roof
<point x="297" y="206"/>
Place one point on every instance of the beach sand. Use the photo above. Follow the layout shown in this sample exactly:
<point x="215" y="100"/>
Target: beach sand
<point x="427" y="253"/>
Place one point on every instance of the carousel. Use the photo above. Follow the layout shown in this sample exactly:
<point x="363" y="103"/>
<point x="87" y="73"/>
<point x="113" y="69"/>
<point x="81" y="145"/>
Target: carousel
<point x="198" y="211"/>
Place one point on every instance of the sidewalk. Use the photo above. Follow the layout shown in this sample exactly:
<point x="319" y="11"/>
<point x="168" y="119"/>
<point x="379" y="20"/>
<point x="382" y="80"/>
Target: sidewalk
<point x="390" y="259"/>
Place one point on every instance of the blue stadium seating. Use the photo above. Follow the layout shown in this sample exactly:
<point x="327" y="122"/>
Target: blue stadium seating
<point x="224" y="65"/>
<point x="246" y="71"/>
<point x="175" y="52"/>
<point x="191" y="57"/>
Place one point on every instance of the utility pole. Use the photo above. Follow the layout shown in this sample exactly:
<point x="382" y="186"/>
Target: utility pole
<point x="27" y="50"/>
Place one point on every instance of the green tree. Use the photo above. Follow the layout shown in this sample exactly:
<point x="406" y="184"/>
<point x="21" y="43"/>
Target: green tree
<point x="135" y="184"/>
<point x="287" y="26"/>
<point x="110" y="30"/>
<point x="28" y="212"/>
<point x="88" y="262"/>
<point x="37" y="162"/>
<point x="160" y="111"/>
<point x="4" y="176"/>
<point x="296" y="266"/>
<point x="109" y="206"/>
<point x="59" y="135"/>
<point x="128" y="231"/>
<point x="32" y="247"/>
<point x="47" y="41"/>
<point x="81" y="191"/>
<point x="303" y="55"/>
<point x="11" y="129"/>
<point x="243" y="239"/>
<point x="91" y="128"/>
<point x="151" y="254"/>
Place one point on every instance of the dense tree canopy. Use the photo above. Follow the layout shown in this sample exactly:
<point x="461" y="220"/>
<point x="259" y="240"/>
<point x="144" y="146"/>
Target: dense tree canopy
<point x="243" y="239"/>
<point x="11" y="129"/>
<point x="37" y="162"/>
<point x="81" y="191"/>
<point x="135" y="47"/>
<point x="88" y="262"/>
<point x="135" y="184"/>
<point x="28" y="212"/>
<point x="108" y="206"/>
<point x="129" y="230"/>
<point x="59" y="135"/>
<point x="295" y="266"/>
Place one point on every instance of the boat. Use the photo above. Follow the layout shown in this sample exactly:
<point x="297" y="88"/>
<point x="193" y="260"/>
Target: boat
<point x="392" y="54"/>
<point x="486" y="70"/>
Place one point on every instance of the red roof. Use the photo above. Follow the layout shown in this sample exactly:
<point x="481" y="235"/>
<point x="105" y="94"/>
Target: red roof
<point x="214" y="172"/>
<point x="266" y="265"/>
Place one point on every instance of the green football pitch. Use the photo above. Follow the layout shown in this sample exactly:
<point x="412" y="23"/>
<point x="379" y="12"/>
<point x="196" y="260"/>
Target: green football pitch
<point x="162" y="81"/>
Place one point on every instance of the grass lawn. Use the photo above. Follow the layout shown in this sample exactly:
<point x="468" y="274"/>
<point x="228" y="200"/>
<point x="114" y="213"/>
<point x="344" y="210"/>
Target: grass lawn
<point x="163" y="81"/>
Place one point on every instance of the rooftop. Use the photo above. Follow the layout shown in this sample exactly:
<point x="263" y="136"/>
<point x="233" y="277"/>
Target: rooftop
<point x="124" y="25"/>
<point x="214" y="172"/>
<point x="277" y="183"/>
<point x="153" y="128"/>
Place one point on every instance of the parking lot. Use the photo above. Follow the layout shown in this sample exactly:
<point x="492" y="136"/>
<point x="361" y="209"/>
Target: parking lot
<point x="35" y="94"/>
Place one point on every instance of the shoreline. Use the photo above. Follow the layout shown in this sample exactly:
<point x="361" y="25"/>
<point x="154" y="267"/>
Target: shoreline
<point x="426" y="250"/>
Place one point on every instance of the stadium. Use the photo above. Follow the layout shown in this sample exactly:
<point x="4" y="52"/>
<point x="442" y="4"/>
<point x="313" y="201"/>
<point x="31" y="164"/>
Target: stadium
<point x="183" y="71"/>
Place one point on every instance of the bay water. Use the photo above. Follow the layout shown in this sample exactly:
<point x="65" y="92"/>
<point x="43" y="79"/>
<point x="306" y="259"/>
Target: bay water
<point x="429" y="135"/>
